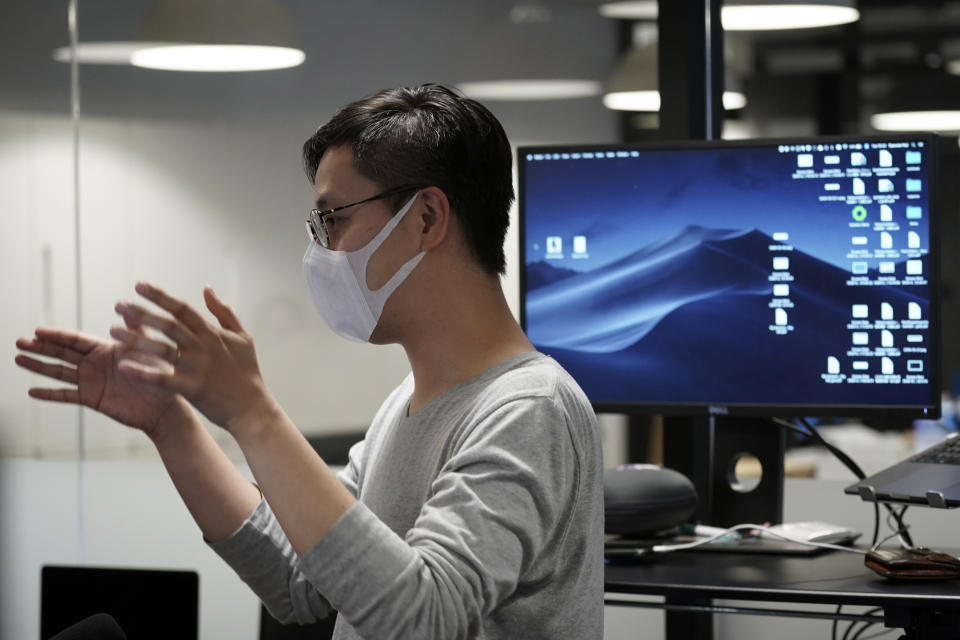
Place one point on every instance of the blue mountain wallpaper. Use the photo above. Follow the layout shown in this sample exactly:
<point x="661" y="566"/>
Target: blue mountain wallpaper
<point x="651" y="278"/>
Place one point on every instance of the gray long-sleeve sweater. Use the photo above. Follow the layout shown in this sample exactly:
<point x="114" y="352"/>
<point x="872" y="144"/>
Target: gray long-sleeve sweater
<point x="480" y="516"/>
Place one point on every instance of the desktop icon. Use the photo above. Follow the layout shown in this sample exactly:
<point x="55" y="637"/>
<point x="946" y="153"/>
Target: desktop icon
<point x="580" y="244"/>
<point x="860" y="311"/>
<point x="859" y="213"/>
<point x="914" y="267"/>
<point x="886" y="240"/>
<point x="886" y="366"/>
<point x="915" y="366"/>
<point x="886" y="338"/>
<point x="887" y="267"/>
<point x="860" y="338"/>
<point x="913" y="157"/>
<point x="914" y="184"/>
<point x="804" y="160"/>
<point x="886" y="311"/>
<point x="833" y="365"/>
<point x="858" y="187"/>
<point x="913" y="240"/>
<point x="781" y="263"/>
<point x="913" y="311"/>
<point x="886" y="213"/>
<point x="781" y="289"/>
<point x="780" y="317"/>
<point x="885" y="185"/>
<point x="914" y="212"/>
<point x="886" y="158"/>
<point x="858" y="159"/>
<point x="554" y="245"/>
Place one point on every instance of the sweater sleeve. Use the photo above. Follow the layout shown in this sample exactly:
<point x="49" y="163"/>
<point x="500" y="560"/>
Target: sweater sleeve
<point x="262" y="556"/>
<point x="498" y="506"/>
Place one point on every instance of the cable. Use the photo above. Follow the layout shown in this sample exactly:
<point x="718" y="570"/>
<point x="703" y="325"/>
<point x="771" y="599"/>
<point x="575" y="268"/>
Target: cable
<point x="898" y="530"/>
<point x="751" y="527"/>
<point x="905" y="539"/>
<point x="851" y="635"/>
<point x="877" y="634"/>
<point x="841" y="455"/>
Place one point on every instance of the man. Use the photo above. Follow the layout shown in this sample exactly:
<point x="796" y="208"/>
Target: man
<point x="473" y="507"/>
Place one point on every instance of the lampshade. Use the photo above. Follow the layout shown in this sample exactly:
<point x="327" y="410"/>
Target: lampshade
<point x="212" y="35"/>
<point x="534" y="53"/>
<point x="634" y="84"/>
<point x="753" y="15"/>
<point x="923" y="101"/>
<point x="921" y="120"/>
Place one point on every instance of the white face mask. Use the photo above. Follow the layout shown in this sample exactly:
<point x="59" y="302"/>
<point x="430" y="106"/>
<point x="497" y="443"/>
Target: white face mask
<point x="337" y="281"/>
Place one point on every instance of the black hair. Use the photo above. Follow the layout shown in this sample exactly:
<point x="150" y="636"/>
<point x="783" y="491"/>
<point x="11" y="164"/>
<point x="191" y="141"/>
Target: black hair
<point x="430" y="135"/>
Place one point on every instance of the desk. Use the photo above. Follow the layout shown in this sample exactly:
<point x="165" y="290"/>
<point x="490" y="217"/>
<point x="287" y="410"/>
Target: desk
<point x="690" y="580"/>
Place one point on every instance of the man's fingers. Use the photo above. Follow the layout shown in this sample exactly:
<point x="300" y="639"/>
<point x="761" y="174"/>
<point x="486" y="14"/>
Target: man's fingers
<point x="48" y="369"/>
<point x="73" y="340"/>
<point x="221" y="311"/>
<point x="71" y="396"/>
<point x="176" y="307"/>
<point x="147" y="374"/>
<point x="138" y="341"/>
<point x="51" y="349"/>
<point x="135" y="317"/>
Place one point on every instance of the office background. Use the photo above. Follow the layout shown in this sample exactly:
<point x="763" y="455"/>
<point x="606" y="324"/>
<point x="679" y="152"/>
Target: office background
<point x="190" y="179"/>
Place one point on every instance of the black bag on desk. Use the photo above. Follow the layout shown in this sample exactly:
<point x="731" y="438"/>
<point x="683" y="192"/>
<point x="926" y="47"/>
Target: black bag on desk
<point x="644" y="499"/>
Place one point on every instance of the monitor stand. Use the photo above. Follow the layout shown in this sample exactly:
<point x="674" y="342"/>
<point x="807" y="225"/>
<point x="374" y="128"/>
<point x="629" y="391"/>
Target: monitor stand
<point x="707" y="449"/>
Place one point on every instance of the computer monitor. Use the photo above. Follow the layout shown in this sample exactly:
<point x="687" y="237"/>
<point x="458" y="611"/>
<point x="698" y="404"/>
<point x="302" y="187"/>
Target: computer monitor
<point x="756" y="278"/>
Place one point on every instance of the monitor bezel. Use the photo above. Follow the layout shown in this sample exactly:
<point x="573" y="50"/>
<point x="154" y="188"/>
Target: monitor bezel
<point x="916" y="412"/>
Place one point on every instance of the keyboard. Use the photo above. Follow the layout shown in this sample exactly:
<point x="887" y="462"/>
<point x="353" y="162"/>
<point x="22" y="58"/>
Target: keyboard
<point x="946" y="452"/>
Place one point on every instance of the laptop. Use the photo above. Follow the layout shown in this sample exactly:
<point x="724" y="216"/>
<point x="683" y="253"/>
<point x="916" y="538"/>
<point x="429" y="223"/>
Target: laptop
<point x="930" y="478"/>
<point x="147" y="604"/>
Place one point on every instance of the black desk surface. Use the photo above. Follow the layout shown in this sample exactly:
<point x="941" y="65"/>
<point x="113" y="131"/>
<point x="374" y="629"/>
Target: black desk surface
<point x="832" y="577"/>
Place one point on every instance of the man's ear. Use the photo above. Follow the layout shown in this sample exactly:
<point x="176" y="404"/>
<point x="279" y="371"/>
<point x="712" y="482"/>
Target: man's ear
<point x="435" y="219"/>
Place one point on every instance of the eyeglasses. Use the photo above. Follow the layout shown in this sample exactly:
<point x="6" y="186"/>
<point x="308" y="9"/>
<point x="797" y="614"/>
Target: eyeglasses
<point x="317" y="222"/>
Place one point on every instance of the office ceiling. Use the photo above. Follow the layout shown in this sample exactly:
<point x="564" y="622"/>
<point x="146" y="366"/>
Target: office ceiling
<point x="802" y="81"/>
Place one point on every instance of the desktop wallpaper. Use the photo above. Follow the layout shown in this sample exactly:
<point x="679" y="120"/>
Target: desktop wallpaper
<point x="731" y="275"/>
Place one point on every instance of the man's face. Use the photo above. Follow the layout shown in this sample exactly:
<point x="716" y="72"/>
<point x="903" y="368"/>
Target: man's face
<point x="337" y="183"/>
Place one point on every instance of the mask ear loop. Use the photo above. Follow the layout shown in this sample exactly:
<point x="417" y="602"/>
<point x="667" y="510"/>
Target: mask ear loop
<point x="359" y="259"/>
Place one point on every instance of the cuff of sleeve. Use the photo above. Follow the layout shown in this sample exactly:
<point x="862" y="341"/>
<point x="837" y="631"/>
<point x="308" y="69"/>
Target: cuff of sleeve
<point x="236" y="549"/>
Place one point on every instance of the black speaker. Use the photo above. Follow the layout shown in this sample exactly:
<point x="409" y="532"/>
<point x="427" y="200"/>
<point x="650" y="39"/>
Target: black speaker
<point x="643" y="499"/>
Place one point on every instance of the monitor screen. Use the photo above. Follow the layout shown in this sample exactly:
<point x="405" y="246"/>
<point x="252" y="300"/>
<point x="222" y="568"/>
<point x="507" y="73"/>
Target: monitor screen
<point x="783" y="277"/>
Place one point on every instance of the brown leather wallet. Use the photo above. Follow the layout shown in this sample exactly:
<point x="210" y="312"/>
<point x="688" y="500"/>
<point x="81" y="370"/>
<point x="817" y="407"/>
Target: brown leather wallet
<point x="913" y="564"/>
